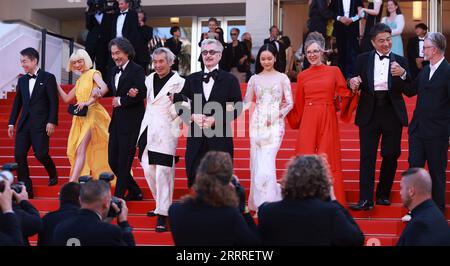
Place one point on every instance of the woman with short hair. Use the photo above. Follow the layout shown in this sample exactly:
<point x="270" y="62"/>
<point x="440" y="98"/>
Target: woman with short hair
<point x="87" y="145"/>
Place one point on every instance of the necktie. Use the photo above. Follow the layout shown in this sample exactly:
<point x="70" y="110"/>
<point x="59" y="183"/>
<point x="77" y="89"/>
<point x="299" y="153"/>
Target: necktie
<point x="119" y="70"/>
<point x="31" y="76"/>
<point x="213" y="74"/>
<point x="123" y="13"/>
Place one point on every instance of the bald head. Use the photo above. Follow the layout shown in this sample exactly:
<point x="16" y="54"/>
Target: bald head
<point x="415" y="187"/>
<point x="418" y="178"/>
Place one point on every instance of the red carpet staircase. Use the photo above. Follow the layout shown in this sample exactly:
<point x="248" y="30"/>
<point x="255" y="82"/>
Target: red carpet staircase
<point x="382" y="225"/>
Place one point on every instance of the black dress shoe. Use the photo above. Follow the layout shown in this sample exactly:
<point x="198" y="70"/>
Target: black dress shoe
<point x="384" y="202"/>
<point x="363" y="205"/>
<point x="151" y="214"/>
<point x="52" y="182"/>
<point x="134" y="197"/>
<point x="161" y="224"/>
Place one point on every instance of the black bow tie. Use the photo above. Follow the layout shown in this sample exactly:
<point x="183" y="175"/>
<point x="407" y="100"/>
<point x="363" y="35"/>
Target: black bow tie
<point x="31" y="76"/>
<point x="119" y="70"/>
<point x="383" y="57"/>
<point x="124" y="13"/>
<point x="213" y="74"/>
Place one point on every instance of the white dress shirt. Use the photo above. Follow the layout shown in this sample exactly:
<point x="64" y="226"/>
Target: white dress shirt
<point x="99" y="17"/>
<point x="380" y="74"/>
<point x="32" y="82"/>
<point x="207" y="87"/>
<point x="120" y="21"/>
<point x="118" y="75"/>
<point x="434" y="67"/>
<point x="421" y="43"/>
<point x="346" y="6"/>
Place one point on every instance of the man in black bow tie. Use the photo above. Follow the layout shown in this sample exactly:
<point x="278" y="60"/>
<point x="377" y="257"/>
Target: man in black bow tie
<point x="415" y="50"/>
<point x="213" y="94"/>
<point x="37" y="97"/>
<point x="126" y="116"/>
<point x="381" y="77"/>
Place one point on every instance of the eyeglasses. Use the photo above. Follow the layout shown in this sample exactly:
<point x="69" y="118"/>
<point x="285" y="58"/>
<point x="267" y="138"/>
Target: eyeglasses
<point x="211" y="52"/>
<point x="233" y="34"/>
<point x="426" y="47"/>
<point x="313" y="52"/>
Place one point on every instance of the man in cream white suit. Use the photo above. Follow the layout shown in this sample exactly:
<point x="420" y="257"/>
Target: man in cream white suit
<point x="158" y="137"/>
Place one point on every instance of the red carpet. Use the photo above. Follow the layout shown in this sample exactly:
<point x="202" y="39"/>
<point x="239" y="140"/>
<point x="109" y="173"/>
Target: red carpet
<point x="381" y="225"/>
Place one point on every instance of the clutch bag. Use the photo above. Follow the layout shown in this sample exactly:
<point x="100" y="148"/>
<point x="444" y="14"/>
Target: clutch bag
<point x="73" y="110"/>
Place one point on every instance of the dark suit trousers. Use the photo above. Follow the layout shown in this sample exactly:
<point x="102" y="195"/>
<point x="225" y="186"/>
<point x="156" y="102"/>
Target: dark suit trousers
<point x="39" y="140"/>
<point x="385" y="125"/>
<point x="435" y="153"/>
<point x="192" y="172"/>
<point x="100" y="55"/>
<point x="121" y="151"/>
<point x="348" y="49"/>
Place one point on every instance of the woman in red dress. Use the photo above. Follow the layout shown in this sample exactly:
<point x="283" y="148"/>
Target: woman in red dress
<point x="314" y="112"/>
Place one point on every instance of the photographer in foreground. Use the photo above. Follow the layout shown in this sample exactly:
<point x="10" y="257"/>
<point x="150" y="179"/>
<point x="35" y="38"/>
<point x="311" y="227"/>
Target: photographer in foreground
<point x="88" y="227"/>
<point x="10" y="233"/>
<point x="216" y="213"/>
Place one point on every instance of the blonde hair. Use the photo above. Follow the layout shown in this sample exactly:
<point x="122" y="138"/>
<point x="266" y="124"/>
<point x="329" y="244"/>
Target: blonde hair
<point x="77" y="55"/>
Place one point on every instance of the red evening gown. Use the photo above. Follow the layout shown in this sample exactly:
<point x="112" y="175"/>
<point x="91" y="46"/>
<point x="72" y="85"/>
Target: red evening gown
<point x="314" y="114"/>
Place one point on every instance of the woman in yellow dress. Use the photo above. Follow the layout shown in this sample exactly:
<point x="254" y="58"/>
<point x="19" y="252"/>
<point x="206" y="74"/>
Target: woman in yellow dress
<point x="87" y="145"/>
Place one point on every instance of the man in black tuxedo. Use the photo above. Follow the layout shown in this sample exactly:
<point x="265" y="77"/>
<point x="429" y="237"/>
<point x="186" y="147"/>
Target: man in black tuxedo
<point x="415" y="50"/>
<point x="10" y="233"/>
<point x="125" y="24"/>
<point x="126" y="117"/>
<point x="428" y="225"/>
<point x="429" y="129"/>
<point x="37" y="98"/>
<point x="346" y="31"/>
<point x="215" y="101"/>
<point x="98" y="23"/>
<point x="145" y="34"/>
<point x="69" y="205"/>
<point x="280" y="64"/>
<point x="381" y="77"/>
<point x="88" y="227"/>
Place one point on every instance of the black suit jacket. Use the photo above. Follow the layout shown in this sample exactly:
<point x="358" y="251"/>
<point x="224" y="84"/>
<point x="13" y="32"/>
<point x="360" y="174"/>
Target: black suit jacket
<point x="98" y="33"/>
<point x="29" y="219"/>
<point x="52" y="219"/>
<point x="10" y="233"/>
<point x="87" y="227"/>
<point x="194" y="223"/>
<point x="319" y="14"/>
<point x="38" y="109"/>
<point x="280" y="64"/>
<point x="431" y="118"/>
<point x="428" y="227"/>
<point x="365" y="67"/>
<point x="145" y="34"/>
<point x="311" y="222"/>
<point x="226" y="89"/>
<point x="128" y="116"/>
<point x="130" y="26"/>
<point x="337" y="9"/>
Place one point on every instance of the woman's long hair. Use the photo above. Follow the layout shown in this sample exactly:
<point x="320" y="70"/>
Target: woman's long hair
<point x="212" y="182"/>
<point x="266" y="47"/>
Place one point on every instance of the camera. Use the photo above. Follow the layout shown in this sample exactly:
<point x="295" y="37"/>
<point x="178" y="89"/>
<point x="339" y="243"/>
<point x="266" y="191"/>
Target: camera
<point x="240" y="191"/>
<point x="112" y="212"/>
<point x="6" y="175"/>
<point x="103" y="6"/>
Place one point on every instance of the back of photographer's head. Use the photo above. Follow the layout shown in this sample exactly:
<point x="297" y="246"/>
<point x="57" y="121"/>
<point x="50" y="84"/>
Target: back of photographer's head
<point x="96" y="195"/>
<point x="307" y="177"/>
<point x="212" y="183"/>
<point x="70" y="194"/>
